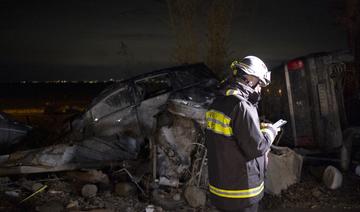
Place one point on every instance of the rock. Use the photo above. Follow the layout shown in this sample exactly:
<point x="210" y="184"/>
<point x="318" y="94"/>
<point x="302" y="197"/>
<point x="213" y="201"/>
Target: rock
<point x="195" y="196"/>
<point x="165" y="200"/>
<point x="14" y="193"/>
<point x="36" y="186"/>
<point x="52" y="206"/>
<point x="177" y="197"/>
<point x="73" y="205"/>
<point x="173" y="182"/>
<point x="150" y="208"/>
<point x="332" y="177"/>
<point x="91" y="176"/>
<point x="153" y="208"/>
<point x="89" y="190"/>
<point x="125" y="189"/>
<point x="316" y="193"/>
<point x="283" y="170"/>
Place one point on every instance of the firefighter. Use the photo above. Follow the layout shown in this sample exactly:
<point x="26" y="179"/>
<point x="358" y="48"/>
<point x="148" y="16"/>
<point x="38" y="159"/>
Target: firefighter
<point x="237" y="147"/>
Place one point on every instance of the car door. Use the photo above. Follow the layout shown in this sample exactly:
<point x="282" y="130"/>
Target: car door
<point x="116" y="113"/>
<point x="153" y="92"/>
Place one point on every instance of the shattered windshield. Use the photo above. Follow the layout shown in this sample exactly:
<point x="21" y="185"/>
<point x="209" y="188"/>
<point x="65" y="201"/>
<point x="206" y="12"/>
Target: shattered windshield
<point x="154" y="85"/>
<point x="119" y="99"/>
<point x="185" y="78"/>
<point x="106" y="92"/>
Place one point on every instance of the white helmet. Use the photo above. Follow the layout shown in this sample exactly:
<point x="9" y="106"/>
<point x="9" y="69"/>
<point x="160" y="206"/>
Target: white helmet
<point x="252" y="65"/>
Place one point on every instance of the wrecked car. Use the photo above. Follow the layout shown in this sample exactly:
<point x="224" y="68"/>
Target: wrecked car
<point x="316" y="94"/>
<point x="150" y="108"/>
<point x="160" y="114"/>
<point x="133" y="107"/>
<point x="11" y="132"/>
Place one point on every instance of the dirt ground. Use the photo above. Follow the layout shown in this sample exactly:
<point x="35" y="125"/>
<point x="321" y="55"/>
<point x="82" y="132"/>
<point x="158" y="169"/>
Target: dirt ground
<point x="64" y="194"/>
<point x="310" y="192"/>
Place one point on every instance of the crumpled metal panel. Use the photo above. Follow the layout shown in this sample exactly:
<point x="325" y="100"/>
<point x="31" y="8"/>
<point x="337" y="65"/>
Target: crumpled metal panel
<point x="175" y="144"/>
<point x="117" y="147"/>
<point x="148" y="111"/>
<point x="327" y="129"/>
<point x="188" y="109"/>
<point x="11" y="132"/>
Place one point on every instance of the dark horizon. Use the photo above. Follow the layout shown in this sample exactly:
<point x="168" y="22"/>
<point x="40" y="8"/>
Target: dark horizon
<point x="93" y="40"/>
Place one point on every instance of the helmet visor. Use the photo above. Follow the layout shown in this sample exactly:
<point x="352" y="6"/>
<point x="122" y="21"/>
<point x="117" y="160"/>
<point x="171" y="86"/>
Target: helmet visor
<point x="265" y="81"/>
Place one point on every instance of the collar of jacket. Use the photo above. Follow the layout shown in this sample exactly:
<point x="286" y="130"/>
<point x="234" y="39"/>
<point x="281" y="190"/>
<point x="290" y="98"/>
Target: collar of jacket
<point x="243" y="92"/>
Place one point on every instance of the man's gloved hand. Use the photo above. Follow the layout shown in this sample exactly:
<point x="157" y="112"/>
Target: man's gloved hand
<point x="270" y="130"/>
<point x="276" y="129"/>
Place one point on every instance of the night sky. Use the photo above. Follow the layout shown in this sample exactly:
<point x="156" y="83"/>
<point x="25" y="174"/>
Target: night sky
<point x="89" y="40"/>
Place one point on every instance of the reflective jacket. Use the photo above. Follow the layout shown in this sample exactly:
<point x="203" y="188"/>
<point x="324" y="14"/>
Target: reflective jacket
<point x="236" y="150"/>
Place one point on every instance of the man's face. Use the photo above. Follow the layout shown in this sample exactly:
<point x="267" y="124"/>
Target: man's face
<point x="258" y="88"/>
<point x="254" y="83"/>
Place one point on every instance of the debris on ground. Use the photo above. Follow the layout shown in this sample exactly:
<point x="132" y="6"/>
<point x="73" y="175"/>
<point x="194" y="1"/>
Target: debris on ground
<point x="195" y="196"/>
<point x="311" y="192"/>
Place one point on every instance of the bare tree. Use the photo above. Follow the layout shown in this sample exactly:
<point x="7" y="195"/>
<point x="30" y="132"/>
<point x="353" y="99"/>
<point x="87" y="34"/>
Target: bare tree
<point x="219" y="23"/>
<point x="182" y="19"/>
<point x="185" y="16"/>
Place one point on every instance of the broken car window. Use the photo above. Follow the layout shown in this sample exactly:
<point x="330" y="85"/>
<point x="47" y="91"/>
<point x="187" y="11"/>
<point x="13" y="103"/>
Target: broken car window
<point x="119" y="99"/>
<point x="186" y="78"/>
<point x="154" y="85"/>
<point x="191" y="76"/>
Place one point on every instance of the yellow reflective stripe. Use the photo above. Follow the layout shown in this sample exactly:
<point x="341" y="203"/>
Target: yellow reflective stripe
<point x="246" y="193"/>
<point x="218" y="123"/>
<point x="237" y="191"/>
<point x="233" y="92"/>
<point x="218" y="116"/>
<point x="218" y="128"/>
